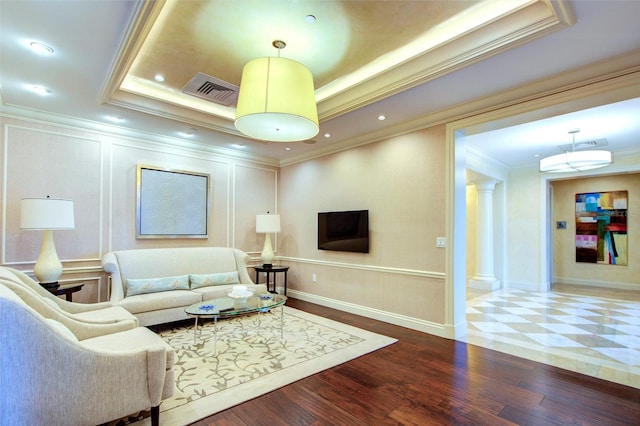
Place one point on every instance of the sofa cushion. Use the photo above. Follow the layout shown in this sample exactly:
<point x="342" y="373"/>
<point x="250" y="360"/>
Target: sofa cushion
<point x="130" y="341"/>
<point x="220" y="278"/>
<point x="154" y="285"/>
<point x="161" y="300"/>
<point x="62" y="328"/>
<point x="108" y="315"/>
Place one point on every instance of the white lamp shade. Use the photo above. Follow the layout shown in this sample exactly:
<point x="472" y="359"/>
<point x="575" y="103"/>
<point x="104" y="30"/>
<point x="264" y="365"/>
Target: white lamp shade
<point x="267" y="223"/>
<point x="277" y="101"/>
<point x="46" y="214"/>
<point x="575" y="161"/>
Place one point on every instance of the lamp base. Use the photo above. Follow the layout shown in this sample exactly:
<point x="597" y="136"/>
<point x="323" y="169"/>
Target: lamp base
<point x="51" y="286"/>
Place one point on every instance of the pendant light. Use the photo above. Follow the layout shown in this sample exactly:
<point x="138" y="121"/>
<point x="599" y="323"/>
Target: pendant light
<point x="277" y="100"/>
<point x="575" y="161"/>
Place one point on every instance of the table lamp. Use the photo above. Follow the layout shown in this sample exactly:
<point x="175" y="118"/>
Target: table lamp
<point x="47" y="214"/>
<point x="267" y="224"/>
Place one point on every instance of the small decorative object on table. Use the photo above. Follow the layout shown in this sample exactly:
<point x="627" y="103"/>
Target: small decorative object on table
<point x="240" y="294"/>
<point x="206" y="308"/>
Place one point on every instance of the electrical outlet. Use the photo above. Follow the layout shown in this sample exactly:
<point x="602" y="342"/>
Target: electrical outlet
<point x="441" y="242"/>
<point x="314" y="278"/>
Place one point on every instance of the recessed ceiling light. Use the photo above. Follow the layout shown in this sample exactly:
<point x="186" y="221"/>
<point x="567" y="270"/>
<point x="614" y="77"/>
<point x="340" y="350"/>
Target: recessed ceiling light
<point x="189" y="133"/>
<point x="288" y="148"/>
<point x="327" y="135"/>
<point x="41" y="48"/>
<point x="40" y="90"/>
<point x="382" y="117"/>
<point x="237" y="145"/>
<point x="159" y="78"/>
<point x="115" y="118"/>
<point x="310" y="18"/>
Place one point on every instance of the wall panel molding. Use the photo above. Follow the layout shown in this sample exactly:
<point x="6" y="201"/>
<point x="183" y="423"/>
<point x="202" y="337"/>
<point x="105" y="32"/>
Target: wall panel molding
<point x="370" y="268"/>
<point x="81" y="141"/>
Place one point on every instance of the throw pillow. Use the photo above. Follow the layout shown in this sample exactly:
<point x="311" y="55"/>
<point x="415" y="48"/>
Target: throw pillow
<point x="153" y="285"/>
<point x="221" y="278"/>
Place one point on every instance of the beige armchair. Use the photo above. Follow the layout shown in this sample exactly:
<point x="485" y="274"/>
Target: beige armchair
<point x="93" y="312"/>
<point x="81" y="328"/>
<point x="49" y="376"/>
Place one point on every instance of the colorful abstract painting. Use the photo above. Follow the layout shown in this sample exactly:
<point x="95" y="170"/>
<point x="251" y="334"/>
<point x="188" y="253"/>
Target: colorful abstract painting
<point x="601" y="227"/>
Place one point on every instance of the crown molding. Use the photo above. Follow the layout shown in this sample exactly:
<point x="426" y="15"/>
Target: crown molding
<point x="601" y="83"/>
<point x="521" y="24"/>
<point x="490" y="28"/>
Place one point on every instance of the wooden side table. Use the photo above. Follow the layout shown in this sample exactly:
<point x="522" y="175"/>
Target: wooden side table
<point x="272" y="270"/>
<point x="67" y="290"/>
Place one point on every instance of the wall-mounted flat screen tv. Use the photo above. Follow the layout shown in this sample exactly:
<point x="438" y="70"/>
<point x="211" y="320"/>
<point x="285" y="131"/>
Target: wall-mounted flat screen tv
<point x="344" y="231"/>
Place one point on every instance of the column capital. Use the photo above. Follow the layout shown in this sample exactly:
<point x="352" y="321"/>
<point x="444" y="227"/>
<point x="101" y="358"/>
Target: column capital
<point x="485" y="185"/>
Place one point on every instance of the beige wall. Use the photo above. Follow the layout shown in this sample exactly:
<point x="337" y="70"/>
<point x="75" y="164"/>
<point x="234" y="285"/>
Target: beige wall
<point x="525" y="226"/>
<point x="401" y="181"/>
<point x="97" y="170"/>
<point x="566" y="269"/>
<point x="472" y="200"/>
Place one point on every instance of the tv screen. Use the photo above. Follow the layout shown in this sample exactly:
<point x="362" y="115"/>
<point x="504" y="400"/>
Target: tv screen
<point x="344" y="231"/>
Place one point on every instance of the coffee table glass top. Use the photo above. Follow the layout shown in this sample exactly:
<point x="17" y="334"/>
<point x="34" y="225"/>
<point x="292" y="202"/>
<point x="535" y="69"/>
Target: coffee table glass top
<point x="228" y="306"/>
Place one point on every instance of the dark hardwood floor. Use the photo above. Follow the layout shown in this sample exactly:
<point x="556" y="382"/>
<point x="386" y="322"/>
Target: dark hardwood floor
<point x="427" y="380"/>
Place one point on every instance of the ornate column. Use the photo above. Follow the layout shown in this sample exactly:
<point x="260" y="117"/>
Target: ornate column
<point x="484" y="278"/>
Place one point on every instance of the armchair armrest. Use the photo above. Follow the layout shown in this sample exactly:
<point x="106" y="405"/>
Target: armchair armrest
<point x="76" y="308"/>
<point x="81" y="329"/>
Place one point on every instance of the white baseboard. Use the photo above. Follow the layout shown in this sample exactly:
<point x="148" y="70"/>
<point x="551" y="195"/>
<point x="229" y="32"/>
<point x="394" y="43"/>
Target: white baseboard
<point x="484" y="285"/>
<point x="603" y="284"/>
<point x="440" y="330"/>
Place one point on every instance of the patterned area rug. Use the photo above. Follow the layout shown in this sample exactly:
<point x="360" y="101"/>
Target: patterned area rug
<point x="250" y="358"/>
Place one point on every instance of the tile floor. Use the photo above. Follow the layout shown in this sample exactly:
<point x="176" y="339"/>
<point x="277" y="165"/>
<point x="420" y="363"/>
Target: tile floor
<point x="593" y="335"/>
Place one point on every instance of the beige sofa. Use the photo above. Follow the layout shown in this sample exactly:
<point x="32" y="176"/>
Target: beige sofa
<point x="150" y="283"/>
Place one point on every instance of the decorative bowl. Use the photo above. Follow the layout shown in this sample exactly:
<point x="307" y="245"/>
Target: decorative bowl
<point x="240" y="295"/>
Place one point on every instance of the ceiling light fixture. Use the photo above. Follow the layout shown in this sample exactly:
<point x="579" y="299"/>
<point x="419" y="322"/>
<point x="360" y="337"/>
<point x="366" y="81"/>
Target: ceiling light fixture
<point x="40" y="90"/>
<point x="115" y="118"/>
<point x="41" y="48"/>
<point x="575" y="161"/>
<point x="189" y="133"/>
<point x="277" y="100"/>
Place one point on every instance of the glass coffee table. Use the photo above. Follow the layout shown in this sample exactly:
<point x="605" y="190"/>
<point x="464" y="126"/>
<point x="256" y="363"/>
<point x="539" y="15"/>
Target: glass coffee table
<point x="225" y="307"/>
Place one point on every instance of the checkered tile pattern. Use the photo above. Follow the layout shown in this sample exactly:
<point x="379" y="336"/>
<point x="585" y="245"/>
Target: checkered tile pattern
<point x="595" y="336"/>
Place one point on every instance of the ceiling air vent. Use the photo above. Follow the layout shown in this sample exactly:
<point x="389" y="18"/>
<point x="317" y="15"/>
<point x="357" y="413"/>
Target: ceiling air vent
<point x="212" y="89"/>
<point x="588" y="144"/>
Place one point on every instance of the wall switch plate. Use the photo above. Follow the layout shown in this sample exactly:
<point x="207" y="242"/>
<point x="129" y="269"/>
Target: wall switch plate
<point x="441" y="242"/>
<point x="314" y="278"/>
